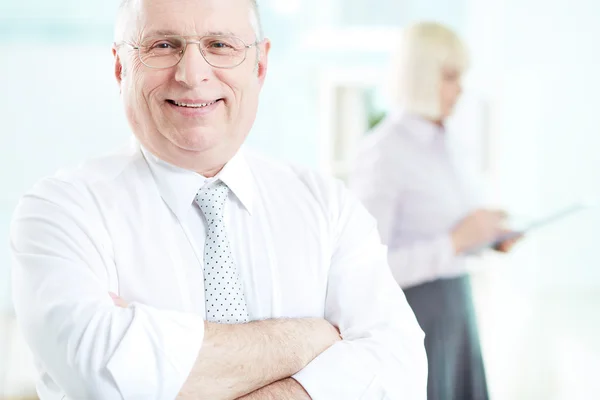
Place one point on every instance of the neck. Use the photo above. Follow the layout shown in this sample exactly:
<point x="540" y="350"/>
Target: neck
<point x="439" y="122"/>
<point x="208" y="164"/>
<point x="210" y="173"/>
<point x="200" y="163"/>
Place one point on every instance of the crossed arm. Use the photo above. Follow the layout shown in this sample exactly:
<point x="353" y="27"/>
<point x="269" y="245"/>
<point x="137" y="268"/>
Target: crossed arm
<point x="291" y="343"/>
<point x="287" y="389"/>
<point x="236" y="360"/>
<point x="270" y="382"/>
<point x="91" y="349"/>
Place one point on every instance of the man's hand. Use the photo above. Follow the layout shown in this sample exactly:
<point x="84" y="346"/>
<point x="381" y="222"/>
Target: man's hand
<point x="478" y="228"/>
<point x="287" y="389"/>
<point x="119" y="302"/>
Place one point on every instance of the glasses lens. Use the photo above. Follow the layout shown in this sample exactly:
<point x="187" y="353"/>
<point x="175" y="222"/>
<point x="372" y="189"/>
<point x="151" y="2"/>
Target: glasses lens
<point x="161" y="51"/>
<point x="223" y="51"/>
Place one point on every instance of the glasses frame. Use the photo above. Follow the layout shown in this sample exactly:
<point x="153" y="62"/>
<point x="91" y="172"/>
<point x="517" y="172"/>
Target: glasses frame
<point x="186" y="41"/>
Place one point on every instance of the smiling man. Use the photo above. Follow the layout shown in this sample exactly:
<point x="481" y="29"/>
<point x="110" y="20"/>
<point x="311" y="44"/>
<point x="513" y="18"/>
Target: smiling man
<point x="185" y="267"/>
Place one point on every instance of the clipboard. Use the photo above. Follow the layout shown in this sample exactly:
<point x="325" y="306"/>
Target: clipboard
<point x="538" y="223"/>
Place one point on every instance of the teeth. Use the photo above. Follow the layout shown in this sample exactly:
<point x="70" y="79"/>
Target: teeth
<point x="194" y="105"/>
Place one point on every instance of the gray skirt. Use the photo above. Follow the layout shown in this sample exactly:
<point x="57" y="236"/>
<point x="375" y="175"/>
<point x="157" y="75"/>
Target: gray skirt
<point x="444" y="309"/>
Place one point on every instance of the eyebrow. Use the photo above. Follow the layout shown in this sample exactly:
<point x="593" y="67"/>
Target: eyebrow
<point x="167" y="32"/>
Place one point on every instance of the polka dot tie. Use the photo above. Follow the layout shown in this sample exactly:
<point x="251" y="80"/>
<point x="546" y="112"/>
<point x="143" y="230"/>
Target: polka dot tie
<point x="224" y="293"/>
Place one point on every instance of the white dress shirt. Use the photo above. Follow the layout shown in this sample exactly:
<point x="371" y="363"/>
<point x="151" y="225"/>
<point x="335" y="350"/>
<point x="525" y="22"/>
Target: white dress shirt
<point x="413" y="181"/>
<point x="127" y="223"/>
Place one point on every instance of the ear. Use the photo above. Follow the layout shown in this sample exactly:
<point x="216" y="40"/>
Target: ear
<point x="263" y="62"/>
<point x="118" y="66"/>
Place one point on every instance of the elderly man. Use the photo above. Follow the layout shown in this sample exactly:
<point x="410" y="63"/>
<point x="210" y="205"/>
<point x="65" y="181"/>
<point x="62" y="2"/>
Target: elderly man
<point x="231" y="276"/>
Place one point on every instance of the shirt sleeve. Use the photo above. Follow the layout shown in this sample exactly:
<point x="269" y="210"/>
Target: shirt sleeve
<point x="411" y="262"/>
<point x="90" y="348"/>
<point x="382" y="353"/>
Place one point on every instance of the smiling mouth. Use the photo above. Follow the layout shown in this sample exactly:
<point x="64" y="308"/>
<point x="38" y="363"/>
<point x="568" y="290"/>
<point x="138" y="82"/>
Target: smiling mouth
<point x="192" y="105"/>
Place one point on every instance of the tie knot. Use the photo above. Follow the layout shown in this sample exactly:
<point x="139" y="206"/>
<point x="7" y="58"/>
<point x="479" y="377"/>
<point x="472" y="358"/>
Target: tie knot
<point x="211" y="200"/>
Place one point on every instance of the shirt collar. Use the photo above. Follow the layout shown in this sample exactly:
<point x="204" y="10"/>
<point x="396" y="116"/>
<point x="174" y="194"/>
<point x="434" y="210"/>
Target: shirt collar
<point x="237" y="176"/>
<point x="421" y="129"/>
<point x="178" y="186"/>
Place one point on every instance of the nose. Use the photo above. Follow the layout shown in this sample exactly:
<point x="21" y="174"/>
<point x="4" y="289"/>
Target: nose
<point x="193" y="69"/>
<point x="459" y="87"/>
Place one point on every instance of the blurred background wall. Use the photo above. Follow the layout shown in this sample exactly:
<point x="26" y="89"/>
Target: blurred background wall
<point x="528" y="118"/>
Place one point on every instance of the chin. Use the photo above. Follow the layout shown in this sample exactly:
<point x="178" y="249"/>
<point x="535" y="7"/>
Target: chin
<point x="198" y="139"/>
<point x="447" y="113"/>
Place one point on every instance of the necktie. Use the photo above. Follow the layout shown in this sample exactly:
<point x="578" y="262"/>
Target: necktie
<point x="224" y="293"/>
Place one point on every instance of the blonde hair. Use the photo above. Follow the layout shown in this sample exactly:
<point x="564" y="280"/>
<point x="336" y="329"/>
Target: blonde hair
<point x="425" y="50"/>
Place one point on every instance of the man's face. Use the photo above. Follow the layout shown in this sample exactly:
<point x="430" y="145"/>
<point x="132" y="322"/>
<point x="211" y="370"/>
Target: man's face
<point x="192" y="115"/>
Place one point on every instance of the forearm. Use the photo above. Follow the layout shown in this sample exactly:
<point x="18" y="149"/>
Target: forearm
<point x="238" y="359"/>
<point x="287" y="389"/>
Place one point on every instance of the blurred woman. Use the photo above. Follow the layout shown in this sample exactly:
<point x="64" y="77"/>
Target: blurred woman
<point x="408" y="177"/>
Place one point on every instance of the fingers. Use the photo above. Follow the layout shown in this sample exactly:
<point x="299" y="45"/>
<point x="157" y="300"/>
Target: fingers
<point x="492" y="218"/>
<point x="498" y="218"/>
<point x="501" y="247"/>
<point x="500" y="214"/>
<point x="507" y="245"/>
<point x="119" y="302"/>
<point x="492" y="212"/>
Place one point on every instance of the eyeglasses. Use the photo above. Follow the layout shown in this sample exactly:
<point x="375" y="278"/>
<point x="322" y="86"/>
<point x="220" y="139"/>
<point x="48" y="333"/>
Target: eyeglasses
<point x="166" y="51"/>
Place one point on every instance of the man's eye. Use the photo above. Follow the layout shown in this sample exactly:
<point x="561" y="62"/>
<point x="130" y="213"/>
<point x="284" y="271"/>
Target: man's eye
<point x="220" y="45"/>
<point x="163" y="45"/>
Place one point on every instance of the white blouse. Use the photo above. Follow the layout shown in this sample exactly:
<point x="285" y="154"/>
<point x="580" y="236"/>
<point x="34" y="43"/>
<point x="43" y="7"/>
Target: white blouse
<point x="413" y="182"/>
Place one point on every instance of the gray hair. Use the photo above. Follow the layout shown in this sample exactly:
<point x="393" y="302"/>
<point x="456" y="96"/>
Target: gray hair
<point x="254" y="18"/>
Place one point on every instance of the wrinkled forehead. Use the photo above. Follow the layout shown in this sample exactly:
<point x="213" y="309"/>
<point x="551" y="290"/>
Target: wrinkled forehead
<point x="143" y="18"/>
